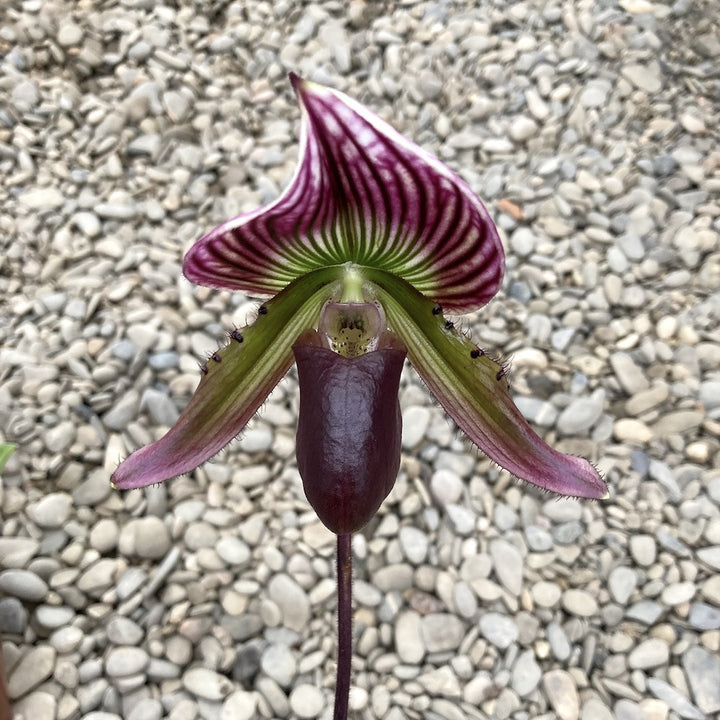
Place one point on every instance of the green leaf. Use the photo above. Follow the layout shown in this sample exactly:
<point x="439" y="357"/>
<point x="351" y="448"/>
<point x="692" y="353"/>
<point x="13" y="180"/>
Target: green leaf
<point x="6" y="450"/>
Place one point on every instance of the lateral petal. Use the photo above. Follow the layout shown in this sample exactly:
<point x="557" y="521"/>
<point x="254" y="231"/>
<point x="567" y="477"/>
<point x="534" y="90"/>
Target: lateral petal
<point x="238" y="379"/>
<point x="474" y="391"/>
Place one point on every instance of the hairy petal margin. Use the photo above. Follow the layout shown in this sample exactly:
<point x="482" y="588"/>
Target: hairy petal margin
<point x="238" y="379"/>
<point x="474" y="391"/>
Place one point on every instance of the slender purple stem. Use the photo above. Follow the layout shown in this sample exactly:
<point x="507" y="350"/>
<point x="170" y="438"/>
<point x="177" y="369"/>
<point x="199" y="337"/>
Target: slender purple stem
<point x="344" y="659"/>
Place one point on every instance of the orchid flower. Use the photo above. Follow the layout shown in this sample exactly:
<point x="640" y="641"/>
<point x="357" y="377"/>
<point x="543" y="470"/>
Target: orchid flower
<point x="370" y="243"/>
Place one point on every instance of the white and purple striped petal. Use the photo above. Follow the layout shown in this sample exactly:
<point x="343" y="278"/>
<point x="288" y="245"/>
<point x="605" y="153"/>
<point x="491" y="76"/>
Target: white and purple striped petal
<point x="361" y="194"/>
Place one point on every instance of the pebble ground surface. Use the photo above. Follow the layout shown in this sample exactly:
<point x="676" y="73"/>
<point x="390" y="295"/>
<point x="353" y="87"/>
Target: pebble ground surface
<point x="590" y="128"/>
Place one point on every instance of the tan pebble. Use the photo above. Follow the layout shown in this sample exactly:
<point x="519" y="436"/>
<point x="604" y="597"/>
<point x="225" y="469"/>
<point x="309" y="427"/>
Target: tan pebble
<point x="630" y="430"/>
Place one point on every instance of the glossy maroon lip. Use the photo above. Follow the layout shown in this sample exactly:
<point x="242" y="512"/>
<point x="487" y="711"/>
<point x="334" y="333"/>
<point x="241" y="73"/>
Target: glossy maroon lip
<point x="349" y="430"/>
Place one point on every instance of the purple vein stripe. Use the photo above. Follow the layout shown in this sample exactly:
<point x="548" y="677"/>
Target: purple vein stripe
<point x="361" y="193"/>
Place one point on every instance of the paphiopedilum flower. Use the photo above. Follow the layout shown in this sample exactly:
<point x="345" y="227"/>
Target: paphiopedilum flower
<point x="372" y="227"/>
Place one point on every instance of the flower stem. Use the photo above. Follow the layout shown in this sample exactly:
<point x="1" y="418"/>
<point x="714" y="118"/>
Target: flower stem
<point x="344" y="604"/>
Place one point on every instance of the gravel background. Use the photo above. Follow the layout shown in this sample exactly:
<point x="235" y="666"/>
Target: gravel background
<point x="127" y="130"/>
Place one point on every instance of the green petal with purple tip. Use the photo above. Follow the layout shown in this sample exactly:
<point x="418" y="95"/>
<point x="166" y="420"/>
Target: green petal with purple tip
<point x="474" y="392"/>
<point x="361" y="193"/>
<point x="238" y="379"/>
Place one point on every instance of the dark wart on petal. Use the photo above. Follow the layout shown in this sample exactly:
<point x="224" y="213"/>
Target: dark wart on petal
<point x="349" y="429"/>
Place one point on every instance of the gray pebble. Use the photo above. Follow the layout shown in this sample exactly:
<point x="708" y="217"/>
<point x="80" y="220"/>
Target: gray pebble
<point x="38" y="198"/>
<point x="675" y="700"/>
<point x="562" y="693"/>
<point x="292" y="601"/>
<point x="163" y="361"/>
<point x="16" y="552"/>
<point x="522" y="128"/>
<point x="125" y="660"/>
<point x="124" y="410"/>
<point x="644" y="77"/>
<point x="649" y="654"/>
<point x="664" y="475"/>
<point x="256" y="439"/>
<point x="13" y="616"/>
<point x="200" y="535"/>
<point x="233" y="551"/>
<point x="559" y="643"/>
<point x="35" y="666"/>
<point x="94" y="490"/>
<point x="441" y="632"/>
<point x="563" y="510"/>
<point x="561" y="339"/>
<point x="546" y="594"/>
<point x="464" y="600"/>
<point x="581" y="414"/>
<point x="704" y="617"/>
<point x="23" y="584"/>
<point x="67" y="639"/>
<point x="446" y="486"/>
<point x="645" y="611"/>
<point x="507" y="565"/>
<point x="579" y="602"/>
<point x="678" y="593"/>
<point x="274" y="695"/>
<point x="98" y="577"/>
<point x="88" y="223"/>
<point x="522" y="241"/>
<point x="594" y="709"/>
<point x="146" y="537"/>
<point x="159" y="406"/>
<point x="206" y="684"/>
<point x="37" y="705"/>
<point x="462" y="519"/>
<point x="396" y="577"/>
<point x="595" y="93"/>
<point x="538" y="412"/>
<point x="146" y="709"/>
<point x="568" y="533"/>
<point x="104" y="535"/>
<point x="709" y="394"/>
<point x="526" y="673"/>
<point x="628" y="373"/>
<point x="123" y="631"/>
<point x="627" y="709"/>
<point x="703" y="670"/>
<point x="50" y="617"/>
<point x="59" y="438"/>
<point x="239" y="705"/>
<point x="54" y="302"/>
<point x="643" y="550"/>
<point x="415" y="422"/>
<point x="278" y="662"/>
<point x="622" y="583"/>
<point x="710" y="556"/>
<point x="669" y="542"/>
<point x="307" y="701"/>
<point x="408" y="638"/>
<point x="499" y="629"/>
<point x="366" y="594"/>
